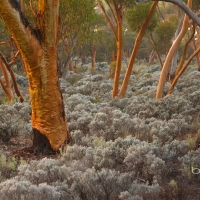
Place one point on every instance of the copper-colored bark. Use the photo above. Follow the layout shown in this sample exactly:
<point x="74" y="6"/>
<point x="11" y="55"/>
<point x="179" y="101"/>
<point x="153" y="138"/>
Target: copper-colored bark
<point x="172" y="51"/>
<point x="135" y="50"/>
<point x="116" y="27"/>
<point x="6" y="84"/>
<point x="182" y="70"/>
<point x="196" y="43"/>
<point x="40" y="60"/>
<point x="183" y="57"/>
<point x="9" y="69"/>
<point x="119" y="58"/>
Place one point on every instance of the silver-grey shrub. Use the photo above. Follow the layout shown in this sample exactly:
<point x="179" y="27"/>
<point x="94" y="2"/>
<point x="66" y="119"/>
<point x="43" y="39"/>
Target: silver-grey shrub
<point x="14" y="120"/>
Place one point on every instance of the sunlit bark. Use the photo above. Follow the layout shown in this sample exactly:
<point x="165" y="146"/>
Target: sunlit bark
<point x="196" y="43"/>
<point x="6" y="68"/>
<point x="184" y="7"/>
<point x="6" y="83"/>
<point x="135" y="50"/>
<point x="183" y="57"/>
<point x="166" y="67"/>
<point x="119" y="52"/>
<point x="39" y="55"/>
<point x="182" y="71"/>
<point x="116" y="27"/>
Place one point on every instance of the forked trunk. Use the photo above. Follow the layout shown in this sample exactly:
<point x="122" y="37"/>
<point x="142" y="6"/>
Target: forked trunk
<point x="166" y="67"/>
<point x="39" y="53"/>
<point x="48" y="116"/>
<point x="182" y="71"/>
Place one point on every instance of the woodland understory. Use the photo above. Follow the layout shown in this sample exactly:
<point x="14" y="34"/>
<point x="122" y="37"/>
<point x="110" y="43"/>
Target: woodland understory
<point x="135" y="148"/>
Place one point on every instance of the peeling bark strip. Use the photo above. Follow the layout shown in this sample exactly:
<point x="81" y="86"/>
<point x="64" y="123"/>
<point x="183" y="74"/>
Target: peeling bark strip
<point x="40" y="61"/>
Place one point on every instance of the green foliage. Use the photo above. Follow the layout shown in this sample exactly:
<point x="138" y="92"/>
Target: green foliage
<point x="79" y="69"/>
<point x="112" y="65"/>
<point x="193" y="141"/>
<point x="125" y="3"/>
<point x="196" y="5"/>
<point x="99" y="142"/>
<point x="174" y="187"/>
<point x="7" y="166"/>
<point x="148" y="75"/>
<point x="98" y="99"/>
<point x="2" y="25"/>
<point x="76" y="16"/>
<point x="136" y="15"/>
<point x="74" y="79"/>
<point x="29" y="14"/>
<point x="165" y="32"/>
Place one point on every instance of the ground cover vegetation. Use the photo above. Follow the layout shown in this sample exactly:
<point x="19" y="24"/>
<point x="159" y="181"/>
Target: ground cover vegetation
<point x="124" y="96"/>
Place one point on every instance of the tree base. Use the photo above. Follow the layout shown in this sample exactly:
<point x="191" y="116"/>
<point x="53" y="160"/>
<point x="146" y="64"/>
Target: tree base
<point x="41" y="144"/>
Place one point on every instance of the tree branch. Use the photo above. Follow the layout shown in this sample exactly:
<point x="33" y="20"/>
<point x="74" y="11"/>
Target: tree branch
<point x="9" y="69"/>
<point x="13" y="20"/>
<point x="32" y="9"/>
<point x="181" y="5"/>
<point x="108" y="19"/>
<point x="182" y="70"/>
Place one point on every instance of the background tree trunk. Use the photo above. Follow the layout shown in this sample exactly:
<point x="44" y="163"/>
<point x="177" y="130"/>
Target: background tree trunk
<point x="93" y="55"/>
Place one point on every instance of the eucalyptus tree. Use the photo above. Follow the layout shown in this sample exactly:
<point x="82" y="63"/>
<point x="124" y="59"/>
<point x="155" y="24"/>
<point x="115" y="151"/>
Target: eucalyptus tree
<point x="76" y="17"/>
<point x="135" y="49"/>
<point x="38" y="48"/>
<point x="167" y="64"/>
<point x="139" y="13"/>
<point x="164" y="33"/>
<point x="114" y="11"/>
<point x="187" y="8"/>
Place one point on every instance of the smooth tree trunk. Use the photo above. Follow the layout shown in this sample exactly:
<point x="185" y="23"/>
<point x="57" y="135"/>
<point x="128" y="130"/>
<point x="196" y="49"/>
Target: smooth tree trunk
<point x="6" y="86"/>
<point x="156" y="53"/>
<point x="174" y="64"/>
<point x="39" y="54"/>
<point x="183" y="57"/>
<point x="119" y="59"/>
<point x="69" y="52"/>
<point x="182" y="71"/>
<point x="135" y="50"/>
<point x="65" y="68"/>
<point x="5" y="66"/>
<point x="112" y="67"/>
<point x="167" y="64"/>
<point x="181" y="4"/>
<point x="71" y="65"/>
<point x="116" y="27"/>
<point x="93" y="52"/>
<point x="196" y="43"/>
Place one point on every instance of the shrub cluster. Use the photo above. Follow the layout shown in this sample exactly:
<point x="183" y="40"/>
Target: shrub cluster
<point x="134" y="148"/>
